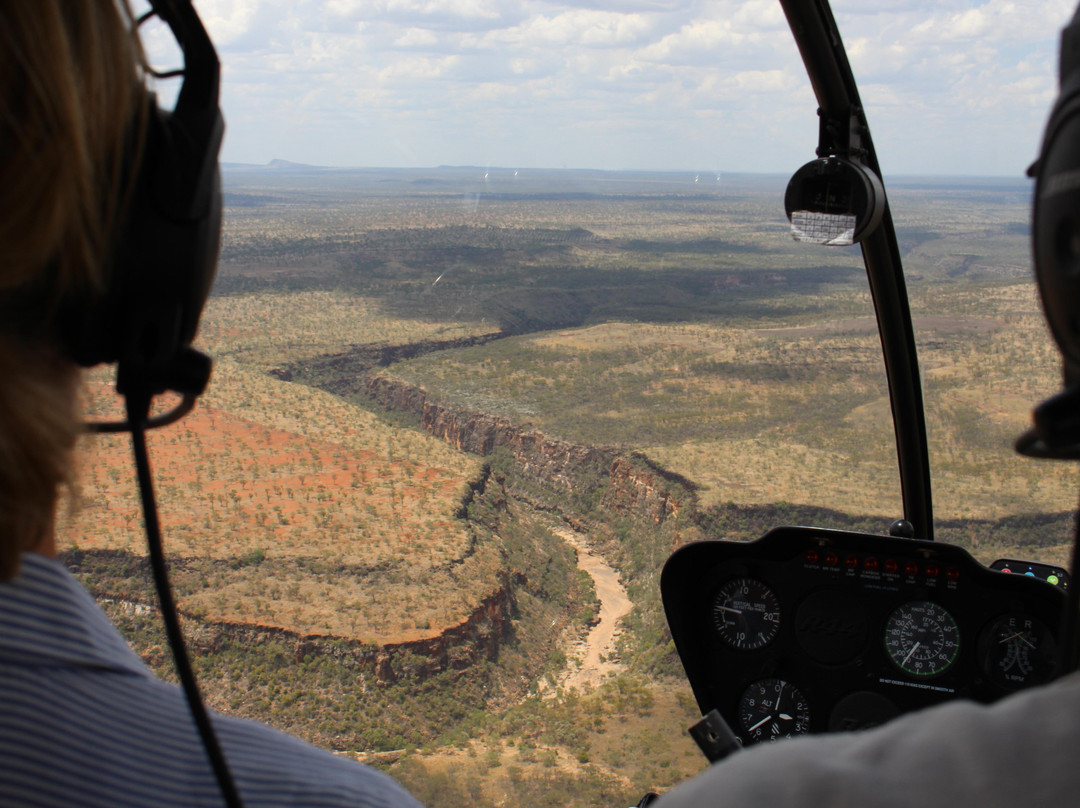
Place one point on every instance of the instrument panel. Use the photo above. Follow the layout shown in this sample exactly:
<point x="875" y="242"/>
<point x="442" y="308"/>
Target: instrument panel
<point x="815" y="630"/>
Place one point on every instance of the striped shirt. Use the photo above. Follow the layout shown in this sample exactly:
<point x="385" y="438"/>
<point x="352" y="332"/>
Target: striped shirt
<point x="84" y="722"/>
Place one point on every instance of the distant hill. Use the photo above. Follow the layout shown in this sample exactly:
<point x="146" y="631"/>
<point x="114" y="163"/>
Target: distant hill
<point x="275" y="165"/>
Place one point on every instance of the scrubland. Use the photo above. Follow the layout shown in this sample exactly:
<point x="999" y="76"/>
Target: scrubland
<point x="647" y="313"/>
<point x="298" y="481"/>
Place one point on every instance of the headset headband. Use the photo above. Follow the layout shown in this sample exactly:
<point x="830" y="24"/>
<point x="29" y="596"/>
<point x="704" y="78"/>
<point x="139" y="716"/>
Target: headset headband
<point x="166" y="250"/>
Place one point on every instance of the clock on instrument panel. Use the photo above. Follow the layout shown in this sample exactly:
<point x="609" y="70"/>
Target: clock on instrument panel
<point x="746" y="614"/>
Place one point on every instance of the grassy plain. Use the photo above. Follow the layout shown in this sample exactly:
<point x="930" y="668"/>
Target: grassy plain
<point x="670" y="314"/>
<point x="784" y="411"/>
<point x="751" y="364"/>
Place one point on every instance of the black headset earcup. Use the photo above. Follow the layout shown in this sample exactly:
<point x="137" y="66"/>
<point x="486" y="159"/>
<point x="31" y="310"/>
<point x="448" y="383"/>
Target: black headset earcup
<point x="165" y="252"/>
<point x="1055" y="227"/>
<point x="1055" y="238"/>
<point x="163" y="263"/>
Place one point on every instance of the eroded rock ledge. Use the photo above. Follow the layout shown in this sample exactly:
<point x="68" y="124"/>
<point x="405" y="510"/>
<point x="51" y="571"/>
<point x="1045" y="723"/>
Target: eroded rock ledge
<point x="632" y="484"/>
<point x="477" y="637"/>
<point x="557" y="472"/>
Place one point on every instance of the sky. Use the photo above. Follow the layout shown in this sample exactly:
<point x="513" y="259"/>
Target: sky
<point x="951" y="87"/>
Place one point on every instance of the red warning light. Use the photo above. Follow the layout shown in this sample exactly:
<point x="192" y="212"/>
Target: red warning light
<point x="952" y="573"/>
<point x="851" y="562"/>
<point x="832" y="558"/>
<point x="932" y="570"/>
<point x="871" y="564"/>
<point x="812" y="556"/>
<point x="911" y="568"/>
<point x="891" y="565"/>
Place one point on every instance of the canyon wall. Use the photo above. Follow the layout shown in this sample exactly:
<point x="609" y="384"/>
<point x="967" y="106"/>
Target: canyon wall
<point x="476" y="638"/>
<point x="631" y="484"/>
<point x="624" y="483"/>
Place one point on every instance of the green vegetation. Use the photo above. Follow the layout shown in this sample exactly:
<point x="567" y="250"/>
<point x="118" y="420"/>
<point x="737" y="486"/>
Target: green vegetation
<point x="331" y="690"/>
<point x="323" y="543"/>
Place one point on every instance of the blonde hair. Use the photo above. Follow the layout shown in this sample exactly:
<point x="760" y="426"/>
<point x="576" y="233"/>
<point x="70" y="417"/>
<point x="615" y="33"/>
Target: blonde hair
<point x="71" y="88"/>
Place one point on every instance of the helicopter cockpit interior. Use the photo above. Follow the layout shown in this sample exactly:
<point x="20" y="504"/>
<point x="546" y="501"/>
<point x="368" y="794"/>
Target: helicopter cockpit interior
<point x="810" y="630"/>
<point x="807" y="629"/>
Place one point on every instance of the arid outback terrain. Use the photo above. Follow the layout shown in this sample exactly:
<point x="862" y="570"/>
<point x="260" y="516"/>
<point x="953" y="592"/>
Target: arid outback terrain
<point x="459" y="418"/>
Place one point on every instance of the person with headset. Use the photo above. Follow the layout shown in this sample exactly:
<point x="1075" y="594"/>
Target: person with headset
<point x="107" y="244"/>
<point x="110" y="216"/>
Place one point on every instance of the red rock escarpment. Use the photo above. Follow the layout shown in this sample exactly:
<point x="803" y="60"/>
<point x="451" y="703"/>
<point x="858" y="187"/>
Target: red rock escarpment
<point x="477" y="637"/>
<point x="635" y="486"/>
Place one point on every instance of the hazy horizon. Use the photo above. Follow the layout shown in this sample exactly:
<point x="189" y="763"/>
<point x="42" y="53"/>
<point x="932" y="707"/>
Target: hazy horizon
<point x="950" y="88"/>
<point x="283" y="165"/>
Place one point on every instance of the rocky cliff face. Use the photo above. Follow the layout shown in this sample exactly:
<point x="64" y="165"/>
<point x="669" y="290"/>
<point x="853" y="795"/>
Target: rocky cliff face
<point x="476" y="638"/>
<point x="645" y="492"/>
<point x="557" y="473"/>
<point x="632" y="484"/>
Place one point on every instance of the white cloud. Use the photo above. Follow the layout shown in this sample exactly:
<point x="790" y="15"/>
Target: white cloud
<point x="763" y="81"/>
<point x="761" y="15"/>
<point x="228" y="20"/>
<point x="993" y="21"/>
<point x="415" y="38"/>
<point x="652" y="79"/>
<point x="698" y="38"/>
<point x="418" y="68"/>
<point x="450" y="8"/>
<point x="576" y="26"/>
<point x="521" y="67"/>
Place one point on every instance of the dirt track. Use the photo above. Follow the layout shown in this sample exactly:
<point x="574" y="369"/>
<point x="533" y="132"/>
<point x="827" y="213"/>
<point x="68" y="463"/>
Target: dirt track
<point x="588" y="663"/>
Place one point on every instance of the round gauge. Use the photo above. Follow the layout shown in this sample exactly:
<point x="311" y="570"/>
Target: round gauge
<point x="922" y="638"/>
<point x="1017" y="650"/>
<point x="746" y="614"/>
<point x="771" y="709"/>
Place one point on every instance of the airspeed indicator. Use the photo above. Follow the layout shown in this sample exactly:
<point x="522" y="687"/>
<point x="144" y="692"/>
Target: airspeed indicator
<point x="922" y="638"/>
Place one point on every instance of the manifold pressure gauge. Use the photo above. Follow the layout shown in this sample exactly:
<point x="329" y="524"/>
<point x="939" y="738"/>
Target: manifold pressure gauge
<point x="746" y="614"/>
<point x="922" y="638"/>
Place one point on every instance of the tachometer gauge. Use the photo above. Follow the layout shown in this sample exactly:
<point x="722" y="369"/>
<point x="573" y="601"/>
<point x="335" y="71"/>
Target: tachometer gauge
<point x="922" y="638"/>
<point x="1017" y="650"/>
<point x="746" y="614"/>
<point x="771" y="709"/>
